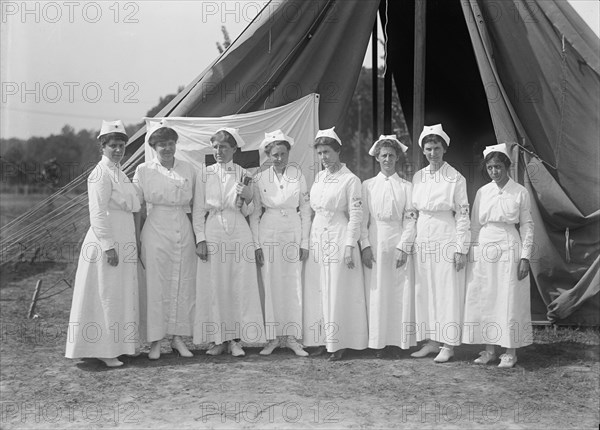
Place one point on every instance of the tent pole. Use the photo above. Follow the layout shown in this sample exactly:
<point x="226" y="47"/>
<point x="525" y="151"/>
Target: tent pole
<point x="419" y="80"/>
<point x="374" y="77"/>
<point x="387" y="83"/>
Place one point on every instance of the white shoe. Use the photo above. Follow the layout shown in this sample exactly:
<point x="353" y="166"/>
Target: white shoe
<point x="267" y="350"/>
<point x="428" y="348"/>
<point x="444" y="355"/>
<point x="292" y="343"/>
<point x="507" y="361"/>
<point x="236" y="348"/>
<point x="178" y="346"/>
<point x="216" y="349"/>
<point x="485" y="357"/>
<point x="154" y="353"/>
<point x="111" y="362"/>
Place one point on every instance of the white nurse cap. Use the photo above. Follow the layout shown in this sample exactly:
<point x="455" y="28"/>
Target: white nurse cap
<point x="112" y="127"/>
<point x="434" y="129"/>
<point x="275" y="136"/>
<point x="235" y="133"/>
<point x="501" y="147"/>
<point x="388" y="137"/>
<point x="330" y="132"/>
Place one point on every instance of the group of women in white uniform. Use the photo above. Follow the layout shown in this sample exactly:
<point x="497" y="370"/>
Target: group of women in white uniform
<point x="386" y="263"/>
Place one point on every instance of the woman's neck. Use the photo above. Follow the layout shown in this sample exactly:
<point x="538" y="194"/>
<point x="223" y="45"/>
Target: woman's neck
<point x="168" y="164"/>
<point x="434" y="167"/>
<point x="501" y="184"/>
<point x="334" y="167"/>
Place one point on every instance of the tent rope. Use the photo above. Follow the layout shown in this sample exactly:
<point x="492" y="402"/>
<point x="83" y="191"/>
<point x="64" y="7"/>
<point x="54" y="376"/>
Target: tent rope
<point x="533" y="154"/>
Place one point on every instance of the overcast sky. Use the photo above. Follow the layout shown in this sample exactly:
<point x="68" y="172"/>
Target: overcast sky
<point x="79" y="62"/>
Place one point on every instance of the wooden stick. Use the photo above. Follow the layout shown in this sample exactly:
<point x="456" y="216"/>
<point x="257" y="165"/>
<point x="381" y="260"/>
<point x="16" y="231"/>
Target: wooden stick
<point x="36" y="294"/>
<point x="419" y="80"/>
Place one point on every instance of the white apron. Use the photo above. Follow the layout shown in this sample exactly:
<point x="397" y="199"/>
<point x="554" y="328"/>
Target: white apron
<point x="439" y="288"/>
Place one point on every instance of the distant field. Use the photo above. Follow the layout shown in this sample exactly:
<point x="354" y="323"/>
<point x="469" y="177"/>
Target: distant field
<point x="13" y="205"/>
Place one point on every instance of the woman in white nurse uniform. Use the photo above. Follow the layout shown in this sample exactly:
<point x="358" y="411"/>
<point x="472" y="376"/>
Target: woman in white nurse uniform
<point x="336" y="198"/>
<point x="104" y="314"/>
<point x="497" y="305"/>
<point x="228" y="308"/>
<point x="281" y="234"/>
<point x="166" y="185"/>
<point x="442" y="242"/>
<point x="387" y="236"/>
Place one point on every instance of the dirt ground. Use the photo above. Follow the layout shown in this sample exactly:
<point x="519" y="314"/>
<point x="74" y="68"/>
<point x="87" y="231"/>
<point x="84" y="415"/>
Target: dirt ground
<point x="555" y="384"/>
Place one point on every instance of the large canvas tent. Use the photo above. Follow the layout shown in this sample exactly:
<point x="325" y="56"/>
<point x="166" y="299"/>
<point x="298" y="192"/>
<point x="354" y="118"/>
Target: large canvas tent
<point x="516" y="71"/>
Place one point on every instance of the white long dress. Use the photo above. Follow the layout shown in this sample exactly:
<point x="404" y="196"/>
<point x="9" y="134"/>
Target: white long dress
<point x="227" y="297"/>
<point x="337" y="202"/>
<point x="281" y="231"/>
<point x="168" y="292"/>
<point x="497" y="305"/>
<point x="442" y="230"/>
<point x="389" y="222"/>
<point x="104" y="320"/>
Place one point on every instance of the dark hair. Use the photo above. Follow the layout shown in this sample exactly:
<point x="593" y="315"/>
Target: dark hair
<point x="434" y="138"/>
<point x="105" y="138"/>
<point x="501" y="156"/>
<point x="269" y="147"/>
<point x="162" y="134"/>
<point x="328" y="141"/>
<point x="224" y="136"/>
<point x="389" y="143"/>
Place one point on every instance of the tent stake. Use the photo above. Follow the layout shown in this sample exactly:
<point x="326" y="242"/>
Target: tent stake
<point x="36" y="294"/>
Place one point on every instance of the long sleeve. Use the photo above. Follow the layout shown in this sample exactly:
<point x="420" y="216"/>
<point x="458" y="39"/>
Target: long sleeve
<point x="138" y="183"/>
<point x="461" y="209"/>
<point x="305" y="213"/>
<point x="255" y="215"/>
<point x="199" y="209"/>
<point x="526" y="226"/>
<point x="475" y="222"/>
<point x="364" y="229"/>
<point x="99" y="193"/>
<point x="355" y="211"/>
<point x="409" y="223"/>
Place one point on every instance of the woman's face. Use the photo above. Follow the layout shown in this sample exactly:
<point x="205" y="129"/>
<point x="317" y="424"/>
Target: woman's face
<point x="165" y="150"/>
<point x="327" y="156"/>
<point x="497" y="170"/>
<point x="387" y="159"/>
<point x="114" y="150"/>
<point x="279" y="156"/>
<point x="434" y="152"/>
<point x="223" y="151"/>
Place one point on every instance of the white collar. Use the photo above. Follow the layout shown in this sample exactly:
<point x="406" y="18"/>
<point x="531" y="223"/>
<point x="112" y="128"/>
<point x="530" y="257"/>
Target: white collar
<point x="107" y="161"/>
<point x="394" y="176"/>
<point x="156" y="161"/>
<point x="227" y="167"/>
